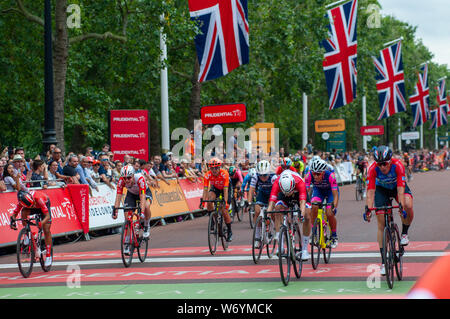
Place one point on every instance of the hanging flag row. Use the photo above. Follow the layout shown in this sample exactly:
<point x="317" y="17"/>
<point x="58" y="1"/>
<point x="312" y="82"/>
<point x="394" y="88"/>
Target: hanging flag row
<point x="223" y="45"/>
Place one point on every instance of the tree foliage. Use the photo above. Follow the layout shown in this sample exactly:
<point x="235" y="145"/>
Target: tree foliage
<point x="105" y="72"/>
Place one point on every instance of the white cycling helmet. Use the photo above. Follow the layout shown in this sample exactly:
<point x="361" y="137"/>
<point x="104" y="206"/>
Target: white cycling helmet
<point x="286" y="182"/>
<point x="318" y="166"/>
<point x="126" y="171"/>
<point x="263" y="167"/>
<point x="252" y="172"/>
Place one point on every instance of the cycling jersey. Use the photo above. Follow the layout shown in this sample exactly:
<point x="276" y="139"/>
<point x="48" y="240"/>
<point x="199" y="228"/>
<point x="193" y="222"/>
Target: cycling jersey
<point x="361" y="165"/>
<point x="393" y="179"/>
<point x="246" y="183"/>
<point x="280" y="170"/>
<point x="328" y="181"/>
<point x="300" y="168"/>
<point x="299" y="188"/>
<point x="139" y="185"/>
<point x="220" y="181"/>
<point x="263" y="188"/>
<point x="237" y="177"/>
<point x="41" y="204"/>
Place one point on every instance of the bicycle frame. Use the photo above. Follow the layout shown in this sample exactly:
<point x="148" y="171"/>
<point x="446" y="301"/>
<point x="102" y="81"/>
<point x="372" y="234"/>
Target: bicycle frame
<point x="323" y="220"/>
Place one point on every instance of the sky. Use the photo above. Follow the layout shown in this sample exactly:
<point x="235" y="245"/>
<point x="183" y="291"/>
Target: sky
<point x="432" y="19"/>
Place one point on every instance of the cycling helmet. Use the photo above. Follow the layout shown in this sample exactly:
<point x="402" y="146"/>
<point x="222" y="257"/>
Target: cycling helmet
<point x="263" y="167"/>
<point x="214" y="162"/>
<point x="286" y="162"/>
<point x="286" y="183"/>
<point x="318" y="166"/>
<point x="252" y="172"/>
<point x="382" y="154"/>
<point x="315" y="158"/>
<point x="25" y="199"/>
<point x="127" y="171"/>
<point x="232" y="170"/>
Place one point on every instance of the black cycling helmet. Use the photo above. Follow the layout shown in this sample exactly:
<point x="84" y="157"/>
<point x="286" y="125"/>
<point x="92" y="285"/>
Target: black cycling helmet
<point x="25" y="199"/>
<point x="382" y="154"/>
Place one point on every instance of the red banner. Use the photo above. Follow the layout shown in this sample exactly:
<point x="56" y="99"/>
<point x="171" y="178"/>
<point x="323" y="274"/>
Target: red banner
<point x="64" y="216"/>
<point x="224" y="113"/>
<point x="80" y="200"/>
<point x="193" y="191"/>
<point x="129" y="133"/>
<point x="372" y="130"/>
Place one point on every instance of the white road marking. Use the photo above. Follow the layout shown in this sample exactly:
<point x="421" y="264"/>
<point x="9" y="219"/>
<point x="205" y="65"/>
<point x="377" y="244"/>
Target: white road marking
<point x="222" y="258"/>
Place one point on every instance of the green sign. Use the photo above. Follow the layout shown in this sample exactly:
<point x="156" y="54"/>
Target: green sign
<point x="442" y="138"/>
<point x="337" y="141"/>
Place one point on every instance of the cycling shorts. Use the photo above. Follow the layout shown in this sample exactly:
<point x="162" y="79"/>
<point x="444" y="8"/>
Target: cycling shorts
<point x="383" y="195"/>
<point x="132" y="199"/>
<point x="219" y="192"/>
<point x="262" y="198"/>
<point x="319" y="195"/>
<point x="38" y="211"/>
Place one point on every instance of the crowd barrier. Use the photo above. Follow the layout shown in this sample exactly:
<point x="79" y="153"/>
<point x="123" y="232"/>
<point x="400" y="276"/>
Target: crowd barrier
<point x="74" y="211"/>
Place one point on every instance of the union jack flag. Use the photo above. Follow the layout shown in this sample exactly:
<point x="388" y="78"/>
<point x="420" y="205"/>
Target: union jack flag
<point x="442" y="95"/>
<point x="223" y="43"/>
<point x="438" y="117"/>
<point x="390" y="81"/>
<point x="421" y="98"/>
<point x="339" y="63"/>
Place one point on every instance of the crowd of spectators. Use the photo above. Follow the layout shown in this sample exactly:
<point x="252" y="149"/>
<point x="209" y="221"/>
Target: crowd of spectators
<point x="94" y="167"/>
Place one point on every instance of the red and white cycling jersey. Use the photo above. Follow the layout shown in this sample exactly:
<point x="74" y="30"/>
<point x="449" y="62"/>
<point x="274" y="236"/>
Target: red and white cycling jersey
<point x="139" y="185"/>
<point x="300" y="187"/>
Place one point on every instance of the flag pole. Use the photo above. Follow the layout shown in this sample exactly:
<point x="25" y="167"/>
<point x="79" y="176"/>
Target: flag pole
<point x="164" y="90"/>
<point x="364" y="120"/>
<point x="305" y="120"/>
<point x="393" y="41"/>
<point x="334" y="3"/>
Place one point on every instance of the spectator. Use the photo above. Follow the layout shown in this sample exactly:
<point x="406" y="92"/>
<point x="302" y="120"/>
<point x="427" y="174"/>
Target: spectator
<point x="85" y="174"/>
<point x="53" y="174"/>
<point x="116" y="171"/>
<point x="19" y="167"/>
<point x="105" y="170"/>
<point x="56" y="156"/>
<point x="157" y="166"/>
<point x="39" y="174"/>
<point x="69" y="173"/>
<point x="12" y="180"/>
<point x="170" y="171"/>
<point x="149" y="174"/>
<point x="95" y="174"/>
<point x="127" y="159"/>
<point x="2" y="183"/>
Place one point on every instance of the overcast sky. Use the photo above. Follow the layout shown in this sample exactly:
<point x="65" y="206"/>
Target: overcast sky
<point x="432" y="18"/>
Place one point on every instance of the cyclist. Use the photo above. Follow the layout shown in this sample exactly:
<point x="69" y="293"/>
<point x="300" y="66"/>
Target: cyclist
<point x="324" y="186"/>
<point x="298" y="165"/>
<point x="386" y="179"/>
<point x="406" y="161"/>
<point x="31" y="203"/>
<point x="247" y="179"/>
<point x="361" y="168"/>
<point x="235" y="179"/>
<point x="286" y="164"/>
<point x="216" y="183"/>
<point x="288" y="189"/>
<point x="137" y="190"/>
<point x="261" y="185"/>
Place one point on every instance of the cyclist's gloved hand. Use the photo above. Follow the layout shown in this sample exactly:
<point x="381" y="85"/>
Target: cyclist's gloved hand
<point x="404" y="214"/>
<point x="367" y="214"/>
<point x="114" y="212"/>
<point x="12" y="223"/>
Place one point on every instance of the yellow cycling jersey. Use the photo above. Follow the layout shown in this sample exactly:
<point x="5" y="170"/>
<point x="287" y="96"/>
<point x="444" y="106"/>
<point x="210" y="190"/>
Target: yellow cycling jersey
<point x="298" y="166"/>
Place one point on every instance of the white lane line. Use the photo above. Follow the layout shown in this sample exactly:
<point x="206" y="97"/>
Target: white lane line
<point x="222" y="258"/>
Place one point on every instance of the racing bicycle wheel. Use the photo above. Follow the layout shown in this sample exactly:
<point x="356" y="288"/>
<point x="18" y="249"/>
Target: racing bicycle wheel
<point x="43" y="256"/>
<point x="256" y="251"/>
<point x="213" y="232"/>
<point x="388" y="257"/>
<point x="25" y="252"/>
<point x="284" y="255"/>
<point x="142" y="249"/>
<point x="315" y="245"/>
<point x="271" y="240"/>
<point x="398" y="253"/>
<point x="126" y="244"/>
<point x="297" y="253"/>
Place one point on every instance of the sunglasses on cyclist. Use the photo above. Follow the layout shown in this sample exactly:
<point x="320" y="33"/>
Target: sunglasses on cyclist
<point x="128" y="178"/>
<point x="317" y="173"/>
<point x="383" y="164"/>
<point x="263" y="175"/>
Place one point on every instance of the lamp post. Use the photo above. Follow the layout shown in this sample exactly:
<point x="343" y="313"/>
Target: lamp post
<point x="49" y="113"/>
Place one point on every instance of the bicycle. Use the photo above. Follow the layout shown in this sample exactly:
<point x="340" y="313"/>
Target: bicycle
<point x="251" y="213"/>
<point x="267" y="236"/>
<point x="359" y="187"/>
<point x="321" y="236"/>
<point x="240" y="203"/>
<point x="216" y="225"/>
<point x="132" y="235"/>
<point x="289" y="245"/>
<point x="393" y="251"/>
<point x="31" y="246"/>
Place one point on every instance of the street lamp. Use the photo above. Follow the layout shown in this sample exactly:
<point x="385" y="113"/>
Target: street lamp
<point x="49" y="113"/>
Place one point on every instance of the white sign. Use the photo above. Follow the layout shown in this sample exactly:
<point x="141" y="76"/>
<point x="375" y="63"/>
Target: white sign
<point x="325" y="136"/>
<point x="410" y="135"/>
<point x="100" y="208"/>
